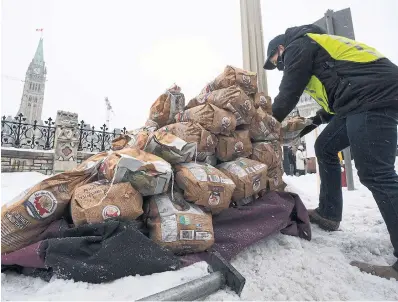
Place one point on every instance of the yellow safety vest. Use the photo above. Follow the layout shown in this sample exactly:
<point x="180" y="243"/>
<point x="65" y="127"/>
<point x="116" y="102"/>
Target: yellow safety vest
<point x="340" y="49"/>
<point x="340" y="157"/>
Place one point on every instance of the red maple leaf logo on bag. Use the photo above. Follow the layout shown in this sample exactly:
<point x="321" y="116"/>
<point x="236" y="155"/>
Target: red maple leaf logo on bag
<point x="40" y="204"/>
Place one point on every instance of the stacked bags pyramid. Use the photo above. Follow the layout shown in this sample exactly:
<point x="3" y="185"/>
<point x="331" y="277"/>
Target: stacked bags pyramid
<point x="189" y="161"/>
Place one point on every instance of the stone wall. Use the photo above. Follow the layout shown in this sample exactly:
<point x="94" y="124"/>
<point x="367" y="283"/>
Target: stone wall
<point x="82" y="156"/>
<point x="64" y="156"/>
<point x="19" y="160"/>
<point x="22" y="160"/>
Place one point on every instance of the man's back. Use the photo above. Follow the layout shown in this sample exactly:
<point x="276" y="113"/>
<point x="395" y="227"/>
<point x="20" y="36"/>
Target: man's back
<point x="349" y="85"/>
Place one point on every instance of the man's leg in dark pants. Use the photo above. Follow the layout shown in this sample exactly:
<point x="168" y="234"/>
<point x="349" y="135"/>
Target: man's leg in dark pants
<point x="373" y="139"/>
<point x="331" y="140"/>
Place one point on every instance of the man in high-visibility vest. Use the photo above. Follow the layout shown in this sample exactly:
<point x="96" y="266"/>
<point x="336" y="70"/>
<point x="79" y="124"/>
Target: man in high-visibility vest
<point x="357" y="88"/>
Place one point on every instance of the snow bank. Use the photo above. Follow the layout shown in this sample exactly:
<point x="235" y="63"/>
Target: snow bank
<point x="21" y="288"/>
<point x="27" y="150"/>
<point x="280" y="268"/>
<point x="288" y="268"/>
<point x="12" y="184"/>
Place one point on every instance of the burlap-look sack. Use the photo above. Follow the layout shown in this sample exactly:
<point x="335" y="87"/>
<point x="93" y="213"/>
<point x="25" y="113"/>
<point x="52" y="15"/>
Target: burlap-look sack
<point x="249" y="176"/>
<point x="208" y="159"/>
<point x="120" y="142"/>
<point x="205" y="186"/>
<point x="98" y="201"/>
<point x="151" y="125"/>
<point x="94" y="160"/>
<point x="231" y="76"/>
<point x="167" y="106"/>
<point x="135" y="138"/>
<point x="264" y="127"/>
<point x="275" y="180"/>
<point x="278" y="150"/>
<point x="212" y="118"/>
<point x="232" y="147"/>
<point x="264" y="153"/>
<point x="178" y="225"/>
<point x="25" y="217"/>
<point x="291" y="128"/>
<point x="170" y="147"/>
<point x="147" y="173"/>
<point x="232" y="99"/>
<point x="194" y="133"/>
<point x="263" y="101"/>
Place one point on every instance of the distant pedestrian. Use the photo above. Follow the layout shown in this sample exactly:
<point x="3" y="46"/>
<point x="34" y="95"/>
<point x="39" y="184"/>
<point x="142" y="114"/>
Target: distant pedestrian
<point x="300" y="161"/>
<point x="292" y="161"/>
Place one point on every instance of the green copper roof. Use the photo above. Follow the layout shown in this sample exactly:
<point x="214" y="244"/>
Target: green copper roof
<point x="39" y="56"/>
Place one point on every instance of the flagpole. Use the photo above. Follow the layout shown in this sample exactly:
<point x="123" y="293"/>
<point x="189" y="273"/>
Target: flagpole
<point x="41" y="32"/>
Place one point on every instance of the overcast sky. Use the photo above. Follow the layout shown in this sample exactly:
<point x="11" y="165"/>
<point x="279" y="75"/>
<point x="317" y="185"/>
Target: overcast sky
<point x="131" y="51"/>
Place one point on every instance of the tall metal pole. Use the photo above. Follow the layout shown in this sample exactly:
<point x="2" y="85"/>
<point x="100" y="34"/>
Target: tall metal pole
<point x="346" y="151"/>
<point x="253" y="41"/>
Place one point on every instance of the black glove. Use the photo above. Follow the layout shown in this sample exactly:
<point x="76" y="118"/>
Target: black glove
<point x="309" y="128"/>
<point x="321" y="117"/>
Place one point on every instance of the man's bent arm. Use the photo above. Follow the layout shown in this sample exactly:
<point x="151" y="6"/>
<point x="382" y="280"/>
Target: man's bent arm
<point x="298" y="59"/>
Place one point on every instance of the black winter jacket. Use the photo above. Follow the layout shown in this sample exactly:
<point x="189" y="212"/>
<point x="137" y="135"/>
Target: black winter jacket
<point x="351" y="87"/>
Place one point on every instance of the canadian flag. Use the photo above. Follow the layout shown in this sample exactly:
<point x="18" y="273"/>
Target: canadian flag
<point x="39" y="29"/>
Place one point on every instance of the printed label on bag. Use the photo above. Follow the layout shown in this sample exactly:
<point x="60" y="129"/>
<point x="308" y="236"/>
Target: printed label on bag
<point x="185" y="220"/>
<point x="263" y="100"/>
<point x="256" y="183"/>
<point x="250" y="170"/>
<point x="225" y="122"/>
<point x="214" y="198"/>
<point x="41" y="204"/>
<point x="187" y="235"/>
<point x="239" y="148"/>
<point x="259" y="167"/>
<point x="246" y="79"/>
<point x="247" y="105"/>
<point x="233" y="168"/>
<point x="199" y="173"/>
<point x="168" y="226"/>
<point x="226" y="181"/>
<point x="213" y="178"/>
<point x="209" y="141"/>
<point x="17" y="219"/>
<point x="203" y="236"/>
<point x="110" y="211"/>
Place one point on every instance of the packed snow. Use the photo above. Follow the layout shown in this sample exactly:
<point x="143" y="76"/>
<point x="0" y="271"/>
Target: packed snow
<point x="12" y="184"/>
<point x="27" y="150"/>
<point x="278" y="268"/>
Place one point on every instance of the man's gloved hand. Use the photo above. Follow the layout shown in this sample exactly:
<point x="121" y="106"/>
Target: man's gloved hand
<point x="309" y="128"/>
<point x="321" y="117"/>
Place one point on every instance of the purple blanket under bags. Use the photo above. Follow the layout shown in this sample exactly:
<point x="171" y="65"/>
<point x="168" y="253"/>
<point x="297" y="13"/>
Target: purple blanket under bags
<point x="86" y="247"/>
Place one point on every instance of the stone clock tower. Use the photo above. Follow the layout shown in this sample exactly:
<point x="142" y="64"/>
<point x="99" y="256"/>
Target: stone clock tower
<point x="33" y="92"/>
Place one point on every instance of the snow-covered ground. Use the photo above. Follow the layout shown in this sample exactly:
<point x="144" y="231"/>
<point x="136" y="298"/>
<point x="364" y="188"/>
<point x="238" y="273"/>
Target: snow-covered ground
<point x="279" y="268"/>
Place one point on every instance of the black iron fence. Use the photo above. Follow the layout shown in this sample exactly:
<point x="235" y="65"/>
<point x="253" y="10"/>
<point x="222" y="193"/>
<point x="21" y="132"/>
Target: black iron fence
<point x="96" y="140"/>
<point x="18" y="133"/>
